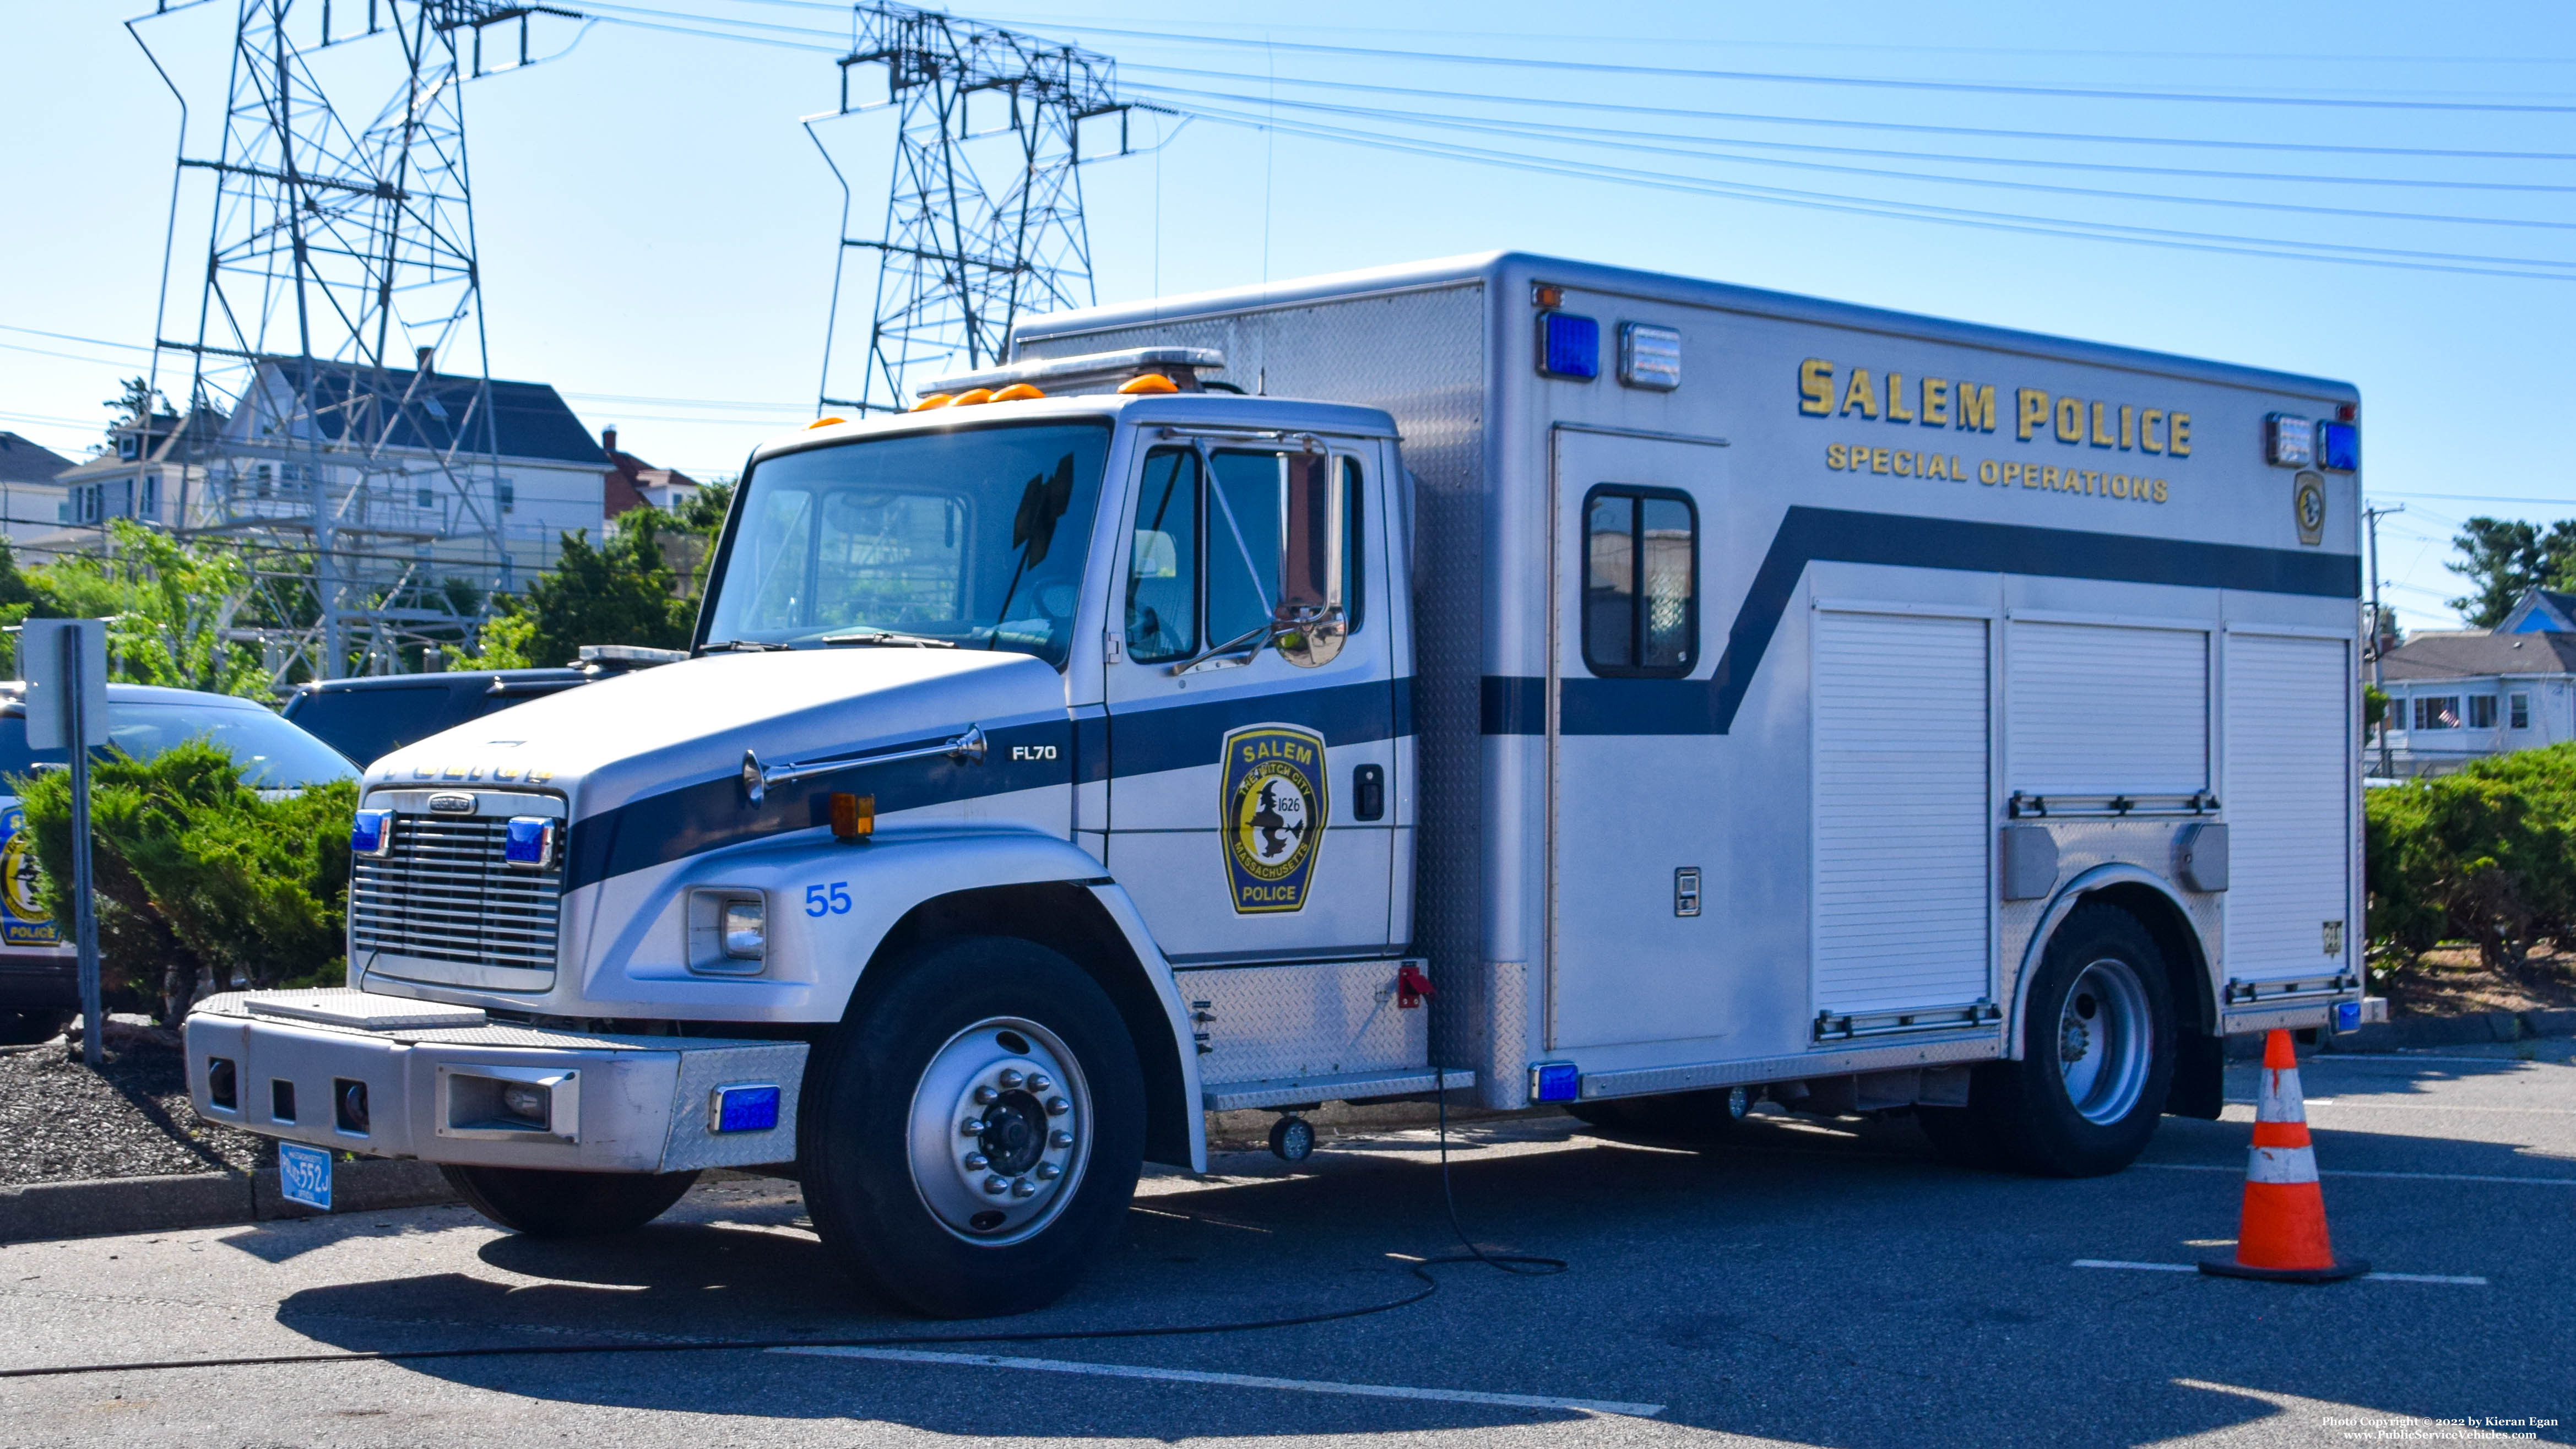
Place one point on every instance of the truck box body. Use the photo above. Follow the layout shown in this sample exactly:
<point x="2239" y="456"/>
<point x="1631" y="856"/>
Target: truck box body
<point x="2060" y="603"/>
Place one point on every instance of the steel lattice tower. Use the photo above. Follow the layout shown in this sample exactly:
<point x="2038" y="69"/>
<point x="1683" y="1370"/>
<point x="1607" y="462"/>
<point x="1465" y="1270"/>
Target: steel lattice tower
<point x="339" y="421"/>
<point x="984" y="214"/>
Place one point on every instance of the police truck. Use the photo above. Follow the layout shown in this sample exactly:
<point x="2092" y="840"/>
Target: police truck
<point x="1531" y="680"/>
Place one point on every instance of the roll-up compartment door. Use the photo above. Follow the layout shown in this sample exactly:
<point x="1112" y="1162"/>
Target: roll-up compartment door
<point x="2096" y="709"/>
<point x="2288" y="802"/>
<point x="1902" y="812"/>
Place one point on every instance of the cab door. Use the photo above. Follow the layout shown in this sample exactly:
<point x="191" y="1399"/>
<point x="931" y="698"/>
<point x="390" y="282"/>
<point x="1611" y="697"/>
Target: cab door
<point x="1251" y="702"/>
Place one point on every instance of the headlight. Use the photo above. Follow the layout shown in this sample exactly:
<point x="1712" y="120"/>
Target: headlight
<point x="746" y="930"/>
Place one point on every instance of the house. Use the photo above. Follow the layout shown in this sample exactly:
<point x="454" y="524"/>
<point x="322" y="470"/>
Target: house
<point x="390" y="452"/>
<point x="2459" y="695"/>
<point x="30" y="495"/>
<point x="633" y="483"/>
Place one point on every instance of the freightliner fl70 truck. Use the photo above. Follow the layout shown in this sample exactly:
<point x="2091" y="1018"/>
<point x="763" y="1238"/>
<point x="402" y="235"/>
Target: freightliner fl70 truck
<point x="1529" y="678"/>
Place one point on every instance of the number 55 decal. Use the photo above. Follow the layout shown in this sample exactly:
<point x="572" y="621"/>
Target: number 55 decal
<point x="833" y="899"/>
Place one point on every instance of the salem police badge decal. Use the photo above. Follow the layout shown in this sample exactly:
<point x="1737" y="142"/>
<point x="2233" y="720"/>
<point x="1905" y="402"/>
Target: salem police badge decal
<point x="1270" y="799"/>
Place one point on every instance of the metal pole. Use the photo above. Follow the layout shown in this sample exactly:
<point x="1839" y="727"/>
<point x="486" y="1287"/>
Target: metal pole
<point x="84" y="917"/>
<point x="2387" y="767"/>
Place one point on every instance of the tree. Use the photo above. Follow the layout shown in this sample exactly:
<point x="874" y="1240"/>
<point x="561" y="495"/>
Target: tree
<point x="2504" y="558"/>
<point x="136" y="400"/>
<point x="197" y="879"/>
<point x="167" y="605"/>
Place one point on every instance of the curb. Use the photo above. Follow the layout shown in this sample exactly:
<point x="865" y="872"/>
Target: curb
<point x="2474" y="1028"/>
<point x="103" y="1206"/>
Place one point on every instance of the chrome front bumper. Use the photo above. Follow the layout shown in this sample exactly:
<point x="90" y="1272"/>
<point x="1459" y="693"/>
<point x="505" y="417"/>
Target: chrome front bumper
<point x="389" y="1076"/>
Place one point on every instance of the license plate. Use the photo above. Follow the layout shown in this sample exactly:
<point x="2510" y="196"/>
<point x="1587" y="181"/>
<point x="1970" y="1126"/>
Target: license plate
<point x="304" y="1175"/>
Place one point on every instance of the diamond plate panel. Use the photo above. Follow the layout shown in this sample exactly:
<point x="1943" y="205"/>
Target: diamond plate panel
<point x="1419" y="353"/>
<point x="1262" y="1023"/>
<point x="691" y="1146"/>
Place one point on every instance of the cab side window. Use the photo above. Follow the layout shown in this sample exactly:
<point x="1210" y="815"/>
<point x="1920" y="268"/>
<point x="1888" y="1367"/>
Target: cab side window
<point x="1163" y="565"/>
<point x="1640" y="582"/>
<point x="1205" y="563"/>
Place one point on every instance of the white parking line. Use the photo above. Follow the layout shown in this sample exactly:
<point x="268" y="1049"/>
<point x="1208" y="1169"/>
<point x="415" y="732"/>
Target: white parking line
<point x="1240" y="1381"/>
<point x="2394" y="1176"/>
<point x="2462" y="1279"/>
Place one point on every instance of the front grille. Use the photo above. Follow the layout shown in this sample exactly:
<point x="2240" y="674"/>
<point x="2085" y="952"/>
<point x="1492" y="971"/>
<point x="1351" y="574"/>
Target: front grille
<point x="443" y="892"/>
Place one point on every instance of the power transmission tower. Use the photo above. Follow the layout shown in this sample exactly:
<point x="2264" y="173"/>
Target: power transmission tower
<point x="338" y="422"/>
<point x="984" y="214"/>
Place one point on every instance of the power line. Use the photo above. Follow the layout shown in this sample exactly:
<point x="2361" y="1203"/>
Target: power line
<point x="68" y="337"/>
<point x="2399" y="258"/>
<point x="1915" y="127"/>
<point x="1635" y="141"/>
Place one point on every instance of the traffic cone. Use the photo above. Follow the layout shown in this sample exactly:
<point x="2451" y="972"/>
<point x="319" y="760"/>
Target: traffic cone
<point x="2282" y="1234"/>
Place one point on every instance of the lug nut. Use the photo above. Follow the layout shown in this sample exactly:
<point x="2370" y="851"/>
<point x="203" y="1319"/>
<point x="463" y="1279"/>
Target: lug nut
<point x="1058" y="1106"/>
<point x="994" y="1185"/>
<point x="1022" y="1187"/>
<point x="1059" y="1138"/>
<point x="1039" y="1081"/>
<point x="1049" y="1172"/>
<point x="971" y="1127"/>
<point x="986" y="1096"/>
<point x="977" y="1162"/>
<point x="1011" y="1078"/>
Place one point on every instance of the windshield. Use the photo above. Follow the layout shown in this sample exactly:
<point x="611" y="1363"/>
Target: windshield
<point x="272" y="754"/>
<point x="974" y="537"/>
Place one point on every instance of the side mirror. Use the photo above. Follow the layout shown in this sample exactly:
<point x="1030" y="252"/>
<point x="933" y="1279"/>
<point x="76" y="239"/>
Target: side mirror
<point x="1313" y="617"/>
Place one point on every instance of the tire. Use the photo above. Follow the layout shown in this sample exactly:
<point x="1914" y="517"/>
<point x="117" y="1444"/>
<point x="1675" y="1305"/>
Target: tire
<point x="988" y="1030"/>
<point x="22" y="1028"/>
<point x="544" y="1203"/>
<point x="2098" y="1049"/>
<point x="1699" y="1116"/>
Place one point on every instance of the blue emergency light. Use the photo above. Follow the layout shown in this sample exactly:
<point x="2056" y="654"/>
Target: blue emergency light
<point x="2339" y="447"/>
<point x="1569" y="346"/>
<point x="745" y="1107"/>
<point x="528" y="842"/>
<point x="1556" y="1081"/>
<point x="371" y="832"/>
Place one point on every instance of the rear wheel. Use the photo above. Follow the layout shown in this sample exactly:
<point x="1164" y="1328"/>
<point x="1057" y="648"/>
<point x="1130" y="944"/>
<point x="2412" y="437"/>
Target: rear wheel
<point x="975" y="1131"/>
<point x="544" y="1203"/>
<point x="2097" y="1053"/>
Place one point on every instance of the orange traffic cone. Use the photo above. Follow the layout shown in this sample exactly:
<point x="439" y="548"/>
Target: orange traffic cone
<point x="2282" y="1235"/>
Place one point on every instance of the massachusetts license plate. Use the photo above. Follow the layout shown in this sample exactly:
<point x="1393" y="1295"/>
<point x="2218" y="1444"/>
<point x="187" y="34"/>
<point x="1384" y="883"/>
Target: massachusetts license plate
<point x="304" y="1175"/>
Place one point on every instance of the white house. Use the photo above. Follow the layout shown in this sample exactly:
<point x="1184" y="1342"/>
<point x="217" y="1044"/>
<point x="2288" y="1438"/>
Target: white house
<point x="2458" y="695"/>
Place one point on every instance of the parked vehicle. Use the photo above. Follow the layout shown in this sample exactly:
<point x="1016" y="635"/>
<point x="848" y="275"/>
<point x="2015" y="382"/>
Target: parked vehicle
<point x="371" y="716"/>
<point x="1558" y="683"/>
<point x="39" y="975"/>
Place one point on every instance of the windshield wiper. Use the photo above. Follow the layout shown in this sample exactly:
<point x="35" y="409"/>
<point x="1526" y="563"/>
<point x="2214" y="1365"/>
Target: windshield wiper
<point x="890" y="639"/>
<point x="741" y="646"/>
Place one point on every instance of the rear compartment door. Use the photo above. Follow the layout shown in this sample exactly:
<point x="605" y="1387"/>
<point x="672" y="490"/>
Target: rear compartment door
<point x="2288" y="799"/>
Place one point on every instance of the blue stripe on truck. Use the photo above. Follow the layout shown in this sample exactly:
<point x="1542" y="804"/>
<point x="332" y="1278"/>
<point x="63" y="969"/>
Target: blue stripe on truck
<point x="1517" y="706"/>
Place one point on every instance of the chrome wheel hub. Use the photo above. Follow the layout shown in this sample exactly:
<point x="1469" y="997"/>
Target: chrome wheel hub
<point x="2105" y="1041"/>
<point x="1000" y="1131"/>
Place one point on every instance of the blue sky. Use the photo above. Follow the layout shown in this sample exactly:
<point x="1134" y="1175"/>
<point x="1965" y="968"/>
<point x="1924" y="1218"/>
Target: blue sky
<point x="656" y="232"/>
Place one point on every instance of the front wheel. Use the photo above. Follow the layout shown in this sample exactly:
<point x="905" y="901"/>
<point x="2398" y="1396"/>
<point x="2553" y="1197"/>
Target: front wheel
<point x="975" y="1130"/>
<point x="545" y="1203"/>
<point x="2097" y="1053"/>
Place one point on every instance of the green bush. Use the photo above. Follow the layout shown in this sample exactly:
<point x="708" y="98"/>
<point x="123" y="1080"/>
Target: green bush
<point x="198" y="880"/>
<point x="2487" y="856"/>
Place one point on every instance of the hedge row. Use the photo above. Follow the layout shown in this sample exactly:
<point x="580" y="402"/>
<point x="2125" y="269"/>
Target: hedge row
<point x="2487" y="855"/>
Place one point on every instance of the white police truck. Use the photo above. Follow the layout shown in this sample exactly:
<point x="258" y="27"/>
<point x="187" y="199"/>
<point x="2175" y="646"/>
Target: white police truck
<point x="1503" y="675"/>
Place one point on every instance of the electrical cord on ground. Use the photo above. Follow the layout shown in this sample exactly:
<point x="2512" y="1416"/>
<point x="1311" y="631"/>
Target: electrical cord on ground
<point x="1521" y="1264"/>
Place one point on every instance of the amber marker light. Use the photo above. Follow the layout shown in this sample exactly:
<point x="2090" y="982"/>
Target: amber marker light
<point x="1148" y="382"/>
<point x="935" y="400"/>
<point x="854" y="817"/>
<point x="824" y="423"/>
<point x="1017" y="392"/>
<point x="971" y="396"/>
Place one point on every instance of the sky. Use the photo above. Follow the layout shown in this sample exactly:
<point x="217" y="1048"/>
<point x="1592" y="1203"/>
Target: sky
<point x="657" y="233"/>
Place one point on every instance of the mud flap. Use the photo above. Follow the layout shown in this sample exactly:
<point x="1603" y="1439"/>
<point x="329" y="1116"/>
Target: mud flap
<point x="2200" y="1077"/>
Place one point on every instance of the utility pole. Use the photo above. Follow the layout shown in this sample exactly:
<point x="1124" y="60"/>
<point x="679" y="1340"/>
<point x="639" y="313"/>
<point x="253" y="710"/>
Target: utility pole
<point x="2371" y="516"/>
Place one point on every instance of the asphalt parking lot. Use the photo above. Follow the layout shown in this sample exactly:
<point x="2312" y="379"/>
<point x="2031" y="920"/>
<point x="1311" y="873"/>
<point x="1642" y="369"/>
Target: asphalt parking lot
<point x="1816" y="1283"/>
